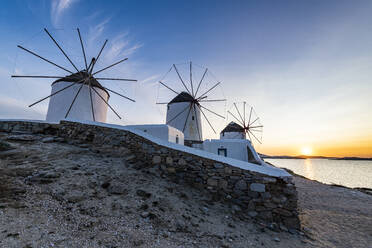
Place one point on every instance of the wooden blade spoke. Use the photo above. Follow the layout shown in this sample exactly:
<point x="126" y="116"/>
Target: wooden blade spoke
<point x="187" y="117"/>
<point x="166" y="86"/>
<point x="45" y="59"/>
<point x="207" y="120"/>
<point x="178" y="114"/>
<point x="256" y="126"/>
<point x="91" y="100"/>
<point x="192" y="87"/>
<point x="106" y="102"/>
<point x="99" y="54"/>
<point x="212" y="112"/>
<point x="250" y="114"/>
<point x="19" y="76"/>
<point x="119" y="94"/>
<point x="118" y="79"/>
<point x="56" y="93"/>
<point x="209" y="90"/>
<point x="179" y="76"/>
<point x="73" y="101"/>
<point x="55" y="42"/>
<point x="235" y="118"/>
<point x="246" y="131"/>
<point x="109" y="66"/>
<point x="197" y="126"/>
<point x="214" y="100"/>
<point x="239" y="113"/>
<point x="255" y="137"/>
<point x="254" y="121"/>
<point x="82" y="48"/>
<point x="244" y="112"/>
<point x="162" y="102"/>
<point x="201" y="80"/>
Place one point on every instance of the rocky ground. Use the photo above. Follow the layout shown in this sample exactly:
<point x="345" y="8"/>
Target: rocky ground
<point x="55" y="193"/>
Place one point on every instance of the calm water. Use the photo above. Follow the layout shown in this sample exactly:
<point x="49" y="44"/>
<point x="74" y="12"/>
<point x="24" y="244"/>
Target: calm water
<point x="343" y="172"/>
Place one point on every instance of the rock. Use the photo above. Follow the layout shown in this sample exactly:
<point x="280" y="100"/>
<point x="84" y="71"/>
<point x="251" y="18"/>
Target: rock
<point x="22" y="137"/>
<point x="273" y="227"/>
<point x="269" y="180"/>
<point x="171" y="170"/>
<point x="292" y="223"/>
<point x="252" y="213"/>
<point x="117" y="189"/>
<point x="276" y="239"/>
<point x="283" y="228"/>
<point x="169" y="161"/>
<point x="283" y="212"/>
<point x="251" y="205"/>
<point x="222" y="184"/>
<point x="280" y="199"/>
<point x="145" y="214"/>
<point x="218" y="165"/>
<point x="4" y="146"/>
<point x="143" y="193"/>
<point x="182" y="162"/>
<point x="48" y="140"/>
<point x="257" y="187"/>
<point x="156" y="160"/>
<point x="105" y="185"/>
<point x="212" y="182"/>
<point x="241" y="185"/>
<point x="75" y="196"/>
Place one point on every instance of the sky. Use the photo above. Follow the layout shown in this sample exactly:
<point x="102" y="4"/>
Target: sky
<point x="304" y="66"/>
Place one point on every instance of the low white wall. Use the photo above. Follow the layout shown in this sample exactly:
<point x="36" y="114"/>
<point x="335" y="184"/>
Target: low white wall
<point x="161" y="131"/>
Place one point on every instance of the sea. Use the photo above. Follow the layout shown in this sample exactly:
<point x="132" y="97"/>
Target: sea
<point x="348" y="173"/>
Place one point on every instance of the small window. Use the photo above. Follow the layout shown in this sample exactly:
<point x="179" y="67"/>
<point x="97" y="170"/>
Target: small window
<point x="177" y="139"/>
<point x="222" y="152"/>
<point x="168" y="107"/>
<point x="192" y="117"/>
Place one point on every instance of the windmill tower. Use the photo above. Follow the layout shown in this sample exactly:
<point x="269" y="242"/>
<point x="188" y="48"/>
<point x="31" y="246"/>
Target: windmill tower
<point x="186" y="111"/>
<point x="77" y="95"/>
<point x="247" y="124"/>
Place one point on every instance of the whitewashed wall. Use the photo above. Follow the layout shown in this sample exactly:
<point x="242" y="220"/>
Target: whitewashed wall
<point x="232" y="135"/>
<point x="161" y="131"/>
<point x="191" y="130"/>
<point x="81" y="110"/>
<point x="235" y="148"/>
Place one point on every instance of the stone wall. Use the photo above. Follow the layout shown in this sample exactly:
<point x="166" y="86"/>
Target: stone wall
<point x="268" y="198"/>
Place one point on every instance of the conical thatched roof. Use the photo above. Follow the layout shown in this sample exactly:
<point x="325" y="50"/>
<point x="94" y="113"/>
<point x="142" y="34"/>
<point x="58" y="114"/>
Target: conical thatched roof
<point x="233" y="127"/>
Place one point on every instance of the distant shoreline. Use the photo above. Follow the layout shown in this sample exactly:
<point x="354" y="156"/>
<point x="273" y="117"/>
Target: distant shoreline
<point x="314" y="157"/>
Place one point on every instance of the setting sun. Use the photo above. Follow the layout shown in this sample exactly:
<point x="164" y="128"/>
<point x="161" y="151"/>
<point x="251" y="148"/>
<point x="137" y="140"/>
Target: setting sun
<point x="306" y="151"/>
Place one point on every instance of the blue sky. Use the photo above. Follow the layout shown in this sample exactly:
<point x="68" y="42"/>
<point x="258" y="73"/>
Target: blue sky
<point x="305" y="66"/>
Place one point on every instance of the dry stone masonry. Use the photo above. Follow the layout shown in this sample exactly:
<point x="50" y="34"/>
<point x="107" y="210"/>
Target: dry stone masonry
<point x="268" y="198"/>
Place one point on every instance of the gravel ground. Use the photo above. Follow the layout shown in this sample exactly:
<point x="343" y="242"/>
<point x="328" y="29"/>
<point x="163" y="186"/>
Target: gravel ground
<point x="58" y="194"/>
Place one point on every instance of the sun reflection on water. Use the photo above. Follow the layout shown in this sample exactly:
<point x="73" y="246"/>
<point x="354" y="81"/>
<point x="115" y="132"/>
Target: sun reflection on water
<point x="309" y="170"/>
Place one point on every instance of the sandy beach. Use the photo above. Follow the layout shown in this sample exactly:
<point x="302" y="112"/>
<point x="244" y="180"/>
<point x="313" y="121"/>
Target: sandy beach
<point x="59" y="194"/>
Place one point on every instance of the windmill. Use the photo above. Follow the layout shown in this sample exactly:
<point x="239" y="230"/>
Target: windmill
<point x="248" y="123"/>
<point x="77" y="95"/>
<point x="186" y="110"/>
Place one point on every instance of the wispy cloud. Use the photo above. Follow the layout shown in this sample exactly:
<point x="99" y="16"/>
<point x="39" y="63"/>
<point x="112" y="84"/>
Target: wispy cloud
<point x="119" y="47"/>
<point x="57" y="9"/>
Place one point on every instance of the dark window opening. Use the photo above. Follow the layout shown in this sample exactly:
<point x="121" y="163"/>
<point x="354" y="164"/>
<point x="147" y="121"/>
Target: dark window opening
<point x="177" y="139"/>
<point x="168" y="107"/>
<point x="222" y="152"/>
<point x="192" y="117"/>
<point x="251" y="158"/>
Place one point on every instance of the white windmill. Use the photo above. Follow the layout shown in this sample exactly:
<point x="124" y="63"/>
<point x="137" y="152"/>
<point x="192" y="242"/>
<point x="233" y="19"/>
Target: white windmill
<point x="186" y="109"/>
<point x="78" y="95"/>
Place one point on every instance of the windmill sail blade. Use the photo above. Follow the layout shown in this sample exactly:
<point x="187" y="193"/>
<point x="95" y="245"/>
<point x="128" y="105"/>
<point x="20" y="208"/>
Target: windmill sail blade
<point x="207" y="120"/>
<point x="192" y="87"/>
<point x="187" y="117"/>
<point x="99" y="54"/>
<point x="44" y="59"/>
<point x="201" y="80"/>
<point x="179" y="76"/>
<point x="244" y="112"/>
<point x="255" y="137"/>
<point x="162" y="102"/>
<point x="254" y="121"/>
<point x="82" y="48"/>
<point x="91" y="100"/>
<point x="109" y="66"/>
<point x="250" y="114"/>
<point x="166" y="86"/>
<point x="61" y="49"/>
<point x="118" y="79"/>
<point x="239" y="113"/>
<point x="119" y="94"/>
<point x="212" y="112"/>
<point x="255" y="126"/>
<point x="178" y="114"/>
<point x="235" y="117"/>
<point x="55" y="93"/>
<point x="246" y="131"/>
<point x="106" y="102"/>
<point x="73" y="101"/>
<point x="19" y="76"/>
<point x="214" y="100"/>
<point x="209" y="90"/>
<point x="196" y="120"/>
